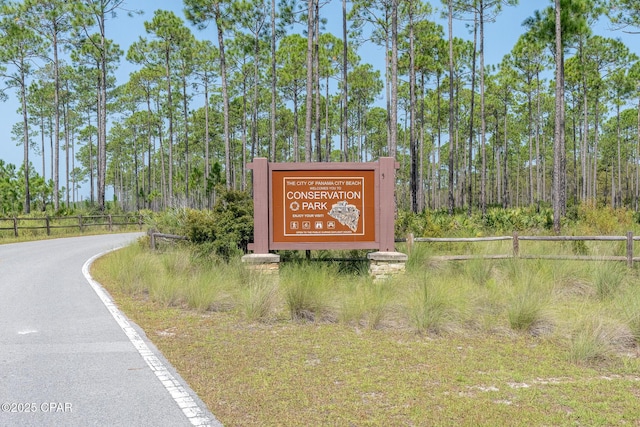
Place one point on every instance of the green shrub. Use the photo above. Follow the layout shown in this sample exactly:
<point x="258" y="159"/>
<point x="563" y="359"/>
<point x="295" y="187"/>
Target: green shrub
<point x="200" y="226"/>
<point x="225" y="231"/>
<point x="171" y="221"/>
<point x="604" y="220"/>
<point x="233" y="213"/>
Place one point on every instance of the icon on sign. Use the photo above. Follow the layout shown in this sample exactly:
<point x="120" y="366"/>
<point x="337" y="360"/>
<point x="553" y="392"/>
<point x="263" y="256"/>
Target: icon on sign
<point x="319" y="225"/>
<point x="331" y="225"/>
<point x="294" y="225"/>
<point x="306" y="225"/>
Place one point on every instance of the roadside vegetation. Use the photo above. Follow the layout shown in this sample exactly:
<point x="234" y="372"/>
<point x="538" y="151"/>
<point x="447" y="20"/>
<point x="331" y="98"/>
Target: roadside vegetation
<point x="509" y="342"/>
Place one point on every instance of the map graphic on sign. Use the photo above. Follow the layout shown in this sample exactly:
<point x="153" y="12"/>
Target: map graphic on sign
<point x="346" y="213"/>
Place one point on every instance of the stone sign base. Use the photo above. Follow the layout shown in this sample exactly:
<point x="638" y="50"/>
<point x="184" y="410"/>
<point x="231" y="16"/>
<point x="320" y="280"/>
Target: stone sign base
<point x="384" y="265"/>
<point x="263" y="263"/>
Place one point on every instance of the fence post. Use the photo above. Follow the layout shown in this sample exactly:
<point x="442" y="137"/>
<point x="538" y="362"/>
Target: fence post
<point x="110" y="223"/>
<point x="630" y="249"/>
<point x="139" y="222"/>
<point x="46" y="220"/>
<point x="80" y="223"/>
<point x="409" y="243"/>
<point x="152" y="239"/>
<point x="516" y="245"/>
<point x="15" y="226"/>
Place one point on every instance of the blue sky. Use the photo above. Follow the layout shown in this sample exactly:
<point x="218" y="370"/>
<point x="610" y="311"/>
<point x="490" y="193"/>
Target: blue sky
<point x="500" y="37"/>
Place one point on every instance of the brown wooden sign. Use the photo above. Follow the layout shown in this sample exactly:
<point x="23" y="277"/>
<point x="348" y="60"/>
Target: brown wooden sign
<point x="323" y="205"/>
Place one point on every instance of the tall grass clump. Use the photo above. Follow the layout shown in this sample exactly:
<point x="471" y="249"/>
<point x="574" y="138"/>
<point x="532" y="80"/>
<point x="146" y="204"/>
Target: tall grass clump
<point x="257" y="296"/>
<point x="527" y="309"/>
<point x="365" y="302"/>
<point x="608" y="278"/>
<point x="570" y="278"/>
<point x="128" y="278"/>
<point x="418" y="256"/>
<point x="589" y="341"/>
<point x="479" y="271"/>
<point x="177" y="263"/>
<point x="165" y="290"/>
<point x="175" y="279"/>
<point x="306" y="290"/>
<point x="529" y="298"/>
<point x="378" y="301"/>
<point x="430" y="306"/>
<point x="208" y="289"/>
<point x="629" y="305"/>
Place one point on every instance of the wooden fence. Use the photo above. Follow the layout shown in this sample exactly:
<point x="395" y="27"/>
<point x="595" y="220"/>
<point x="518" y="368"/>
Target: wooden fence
<point x="80" y="222"/>
<point x="515" y="251"/>
<point x="154" y="236"/>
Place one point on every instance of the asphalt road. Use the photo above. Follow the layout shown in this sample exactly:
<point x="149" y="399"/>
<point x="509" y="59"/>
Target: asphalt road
<point x="68" y="357"/>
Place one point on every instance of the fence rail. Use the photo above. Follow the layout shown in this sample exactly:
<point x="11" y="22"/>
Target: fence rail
<point x="516" y="239"/>
<point x="154" y="236"/>
<point x="81" y="222"/>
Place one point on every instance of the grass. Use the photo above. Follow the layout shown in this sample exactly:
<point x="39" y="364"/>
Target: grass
<point x="515" y="342"/>
<point x="630" y="306"/>
<point x="607" y="279"/>
<point x="257" y="299"/>
<point x="528" y="304"/>
<point x="306" y="291"/>
<point x="365" y="303"/>
<point x="430" y="305"/>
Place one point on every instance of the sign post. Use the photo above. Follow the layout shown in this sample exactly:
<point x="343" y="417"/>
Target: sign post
<point x="306" y="206"/>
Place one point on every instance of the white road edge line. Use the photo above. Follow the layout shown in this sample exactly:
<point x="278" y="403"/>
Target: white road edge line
<point x="183" y="399"/>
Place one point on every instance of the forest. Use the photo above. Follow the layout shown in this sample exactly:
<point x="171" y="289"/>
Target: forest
<point x="557" y="121"/>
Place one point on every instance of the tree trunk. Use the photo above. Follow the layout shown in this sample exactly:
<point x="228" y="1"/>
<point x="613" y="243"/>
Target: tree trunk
<point x="185" y="112"/>
<point x="451" y="107"/>
<point x="530" y="138"/>
<point x="56" y="136"/>
<point x="505" y="190"/>
<point x="471" y="114"/>
<point x="538" y="159"/>
<point x="345" y="127"/>
<point x="25" y="141"/>
<point x="273" y="81"/>
<point x="170" y="111"/>
<point x="483" y="124"/>
<point x="619" y="192"/>
<point x="558" y="136"/>
<point x="412" y="118"/>
<point x="309" y="100"/>
<point x="207" y="167"/>
<point x="316" y="79"/>
<point x="225" y="98"/>
<point x="393" y="123"/>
